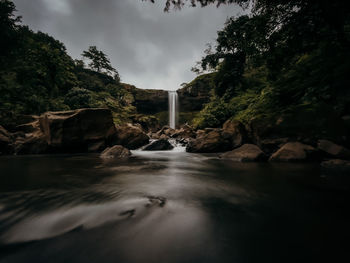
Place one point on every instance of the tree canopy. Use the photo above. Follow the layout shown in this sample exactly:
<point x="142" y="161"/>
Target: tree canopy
<point x="98" y="60"/>
<point x="283" y="53"/>
<point x="37" y="74"/>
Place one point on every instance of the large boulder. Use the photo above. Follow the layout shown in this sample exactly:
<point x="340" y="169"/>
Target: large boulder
<point x="77" y="130"/>
<point x="236" y="131"/>
<point x="159" y="145"/>
<point x="117" y="151"/>
<point x="5" y="141"/>
<point x="333" y="150"/>
<point x="295" y="152"/>
<point x="210" y="141"/>
<point x="131" y="137"/>
<point x="245" y="153"/>
<point x="34" y="143"/>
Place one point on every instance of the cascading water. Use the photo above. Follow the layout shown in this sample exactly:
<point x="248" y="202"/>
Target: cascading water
<point x="173" y="108"/>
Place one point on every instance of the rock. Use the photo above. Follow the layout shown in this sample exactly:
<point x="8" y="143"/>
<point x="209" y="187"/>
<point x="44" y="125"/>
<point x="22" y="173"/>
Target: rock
<point x="148" y="101"/>
<point x="28" y="127"/>
<point x="5" y="141"/>
<point x="34" y="144"/>
<point x="245" y="153"/>
<point x="209" y="141"/>
<point x="164" y="137"/>
<point x="148" y="123"/>
<point x="154" y="136"/>
<point x="159" y="145"/>
<point x="117" y="151"/>
<point x="333" y="150"/>
<point x="295" y="152"/>
<point x="131" y="137"/>
<point x="270" y="146"/>
<point x="166" y="130"/>
<point x="236" y="131"/>
<point x="77" y="130"/>
<point x="337" y="164"/>
<point x="184" y="132"/>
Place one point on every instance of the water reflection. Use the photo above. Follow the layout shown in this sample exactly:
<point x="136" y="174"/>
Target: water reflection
<point x="163" y="207"/>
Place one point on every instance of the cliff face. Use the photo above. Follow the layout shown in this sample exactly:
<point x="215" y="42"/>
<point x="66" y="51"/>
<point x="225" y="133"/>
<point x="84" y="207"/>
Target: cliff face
<point x="148" y="101"/>
<point x="192" y="97"/>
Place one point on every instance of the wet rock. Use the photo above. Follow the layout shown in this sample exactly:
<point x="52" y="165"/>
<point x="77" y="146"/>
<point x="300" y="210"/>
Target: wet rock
<point x="337" y="165"/>
<point x="166" y="130"/>
<point x="333" y="150"/>
<point x="295" y="152"/>
<point x="159" y="145"/>
<point x="131" y="137"/>
<point x="156" y="200"/>
<point x="117" y="151"/>
<point x="154" y="136"/>
<point x="210" y="141"/>
<point x="74" y="131"/>
<point x="245" y="153"/>
<point x="236" y="131"/>
<point x="164" y="137"/>
<point x="185" y="132"/>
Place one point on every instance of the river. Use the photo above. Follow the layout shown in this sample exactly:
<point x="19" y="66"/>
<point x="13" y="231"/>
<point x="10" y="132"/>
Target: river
<point x="169" y="206"/>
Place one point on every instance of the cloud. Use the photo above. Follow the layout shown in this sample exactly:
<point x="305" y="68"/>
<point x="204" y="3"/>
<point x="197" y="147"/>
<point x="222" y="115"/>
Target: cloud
<point x="149" y="48"/>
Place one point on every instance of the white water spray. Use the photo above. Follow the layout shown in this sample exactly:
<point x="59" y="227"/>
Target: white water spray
<point x="173" y="108"/>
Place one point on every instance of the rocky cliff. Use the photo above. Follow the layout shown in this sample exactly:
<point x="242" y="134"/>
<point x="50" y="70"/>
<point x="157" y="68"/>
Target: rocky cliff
<point x="192" y="96"/>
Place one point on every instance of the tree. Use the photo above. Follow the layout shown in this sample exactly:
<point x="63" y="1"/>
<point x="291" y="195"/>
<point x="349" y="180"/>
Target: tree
<point x="99" y="61"/>
<point x="8" y="29"/>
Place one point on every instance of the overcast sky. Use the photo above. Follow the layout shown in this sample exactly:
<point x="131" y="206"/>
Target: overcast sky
<point x="150" y="49"/>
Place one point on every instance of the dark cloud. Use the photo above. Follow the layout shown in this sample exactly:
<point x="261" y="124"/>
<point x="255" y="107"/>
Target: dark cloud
<point x="149" y="48"/>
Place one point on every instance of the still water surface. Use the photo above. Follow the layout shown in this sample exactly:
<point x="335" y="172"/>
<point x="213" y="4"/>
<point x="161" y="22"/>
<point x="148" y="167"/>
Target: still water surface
<point x="169" y="207"/>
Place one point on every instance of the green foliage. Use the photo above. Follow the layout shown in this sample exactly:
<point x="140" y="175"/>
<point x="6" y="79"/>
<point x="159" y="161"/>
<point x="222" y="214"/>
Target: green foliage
<point x="214" y="114"/>
<point x="37" y="74"/>
<point x="78" y="98"/>
<point x="284" y="55"/>
<point x="99" y="61"/>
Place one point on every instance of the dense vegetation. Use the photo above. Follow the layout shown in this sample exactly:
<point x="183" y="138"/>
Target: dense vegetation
<point x="285" y="56"/>
<point x="37" y="74"/>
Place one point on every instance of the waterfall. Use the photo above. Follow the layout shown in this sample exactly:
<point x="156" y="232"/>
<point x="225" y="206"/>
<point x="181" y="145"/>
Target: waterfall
<point x="173" y="108"/>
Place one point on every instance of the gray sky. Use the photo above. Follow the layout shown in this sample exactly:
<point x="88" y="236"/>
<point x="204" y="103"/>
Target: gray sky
<point x="150" y="49"/>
